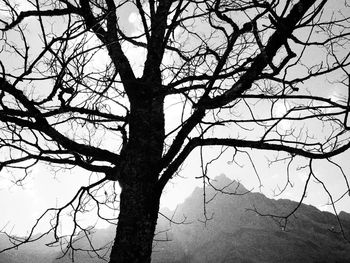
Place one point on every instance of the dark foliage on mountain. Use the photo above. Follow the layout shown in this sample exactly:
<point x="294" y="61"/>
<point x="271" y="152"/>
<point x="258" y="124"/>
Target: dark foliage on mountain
<point x="234" y="233"/>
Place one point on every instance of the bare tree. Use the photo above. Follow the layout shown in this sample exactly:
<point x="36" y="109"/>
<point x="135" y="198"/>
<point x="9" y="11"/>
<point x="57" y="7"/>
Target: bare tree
<point x="226" y="65"/>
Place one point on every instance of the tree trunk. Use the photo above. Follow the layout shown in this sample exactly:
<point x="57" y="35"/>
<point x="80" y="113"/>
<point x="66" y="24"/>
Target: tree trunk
<point x="136" y="225"/>
<point x="137" y="174"/>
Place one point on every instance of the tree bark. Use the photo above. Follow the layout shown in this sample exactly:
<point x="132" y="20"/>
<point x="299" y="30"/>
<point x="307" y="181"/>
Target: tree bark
<point x="136" y="226"/>
<point x="138" y="174"/>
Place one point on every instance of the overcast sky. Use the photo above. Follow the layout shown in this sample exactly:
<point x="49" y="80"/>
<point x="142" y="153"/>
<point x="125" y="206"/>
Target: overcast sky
<point x="20" y="206"/>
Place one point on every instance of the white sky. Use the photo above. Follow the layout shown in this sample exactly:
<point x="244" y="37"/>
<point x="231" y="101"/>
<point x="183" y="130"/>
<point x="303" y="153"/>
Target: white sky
<point x="20" y="206"/>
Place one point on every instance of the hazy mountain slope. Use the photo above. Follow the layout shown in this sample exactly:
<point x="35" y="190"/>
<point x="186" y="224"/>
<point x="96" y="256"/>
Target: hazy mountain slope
<point x="100" y="238"/>
<point x="36" y="252"/>
<point x="234" y="234"/>
<point x="237" y="235"/>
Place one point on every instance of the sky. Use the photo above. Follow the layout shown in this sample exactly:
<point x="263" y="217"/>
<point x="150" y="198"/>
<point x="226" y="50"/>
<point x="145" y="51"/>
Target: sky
<point x="46" y="187"/>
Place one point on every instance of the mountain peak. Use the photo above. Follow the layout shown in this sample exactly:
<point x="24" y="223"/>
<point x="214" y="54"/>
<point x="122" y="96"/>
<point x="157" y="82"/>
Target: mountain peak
<point x="224" y="183"/>
<point x="222" y="179"/>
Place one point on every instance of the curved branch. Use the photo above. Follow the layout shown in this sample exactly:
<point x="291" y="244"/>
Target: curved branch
<point x="261" y="145"/>
<point x="54" y="12"/>
<point x="41" y="124"/>
<point x="235" y="143"/>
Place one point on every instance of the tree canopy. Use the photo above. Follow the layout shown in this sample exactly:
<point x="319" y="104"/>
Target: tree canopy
<point x="83" y="87"/>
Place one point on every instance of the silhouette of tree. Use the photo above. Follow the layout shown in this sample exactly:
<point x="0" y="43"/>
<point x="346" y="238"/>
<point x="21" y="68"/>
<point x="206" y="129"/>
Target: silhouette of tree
<point x="81" y="88"/>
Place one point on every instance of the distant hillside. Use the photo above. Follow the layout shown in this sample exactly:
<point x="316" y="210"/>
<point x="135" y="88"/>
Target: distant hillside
<point x="234" y="234"/>
<point x="36" y="252"/>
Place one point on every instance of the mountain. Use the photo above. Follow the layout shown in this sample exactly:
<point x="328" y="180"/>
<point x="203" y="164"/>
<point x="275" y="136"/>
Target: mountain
<point x="35" y="252"/>
<point x="234" y="232"/>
